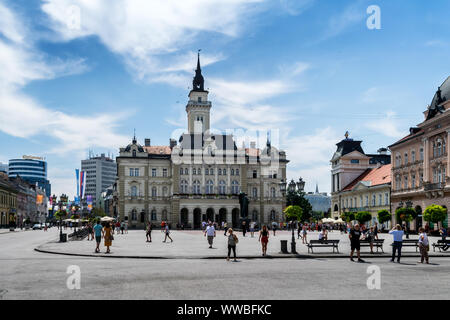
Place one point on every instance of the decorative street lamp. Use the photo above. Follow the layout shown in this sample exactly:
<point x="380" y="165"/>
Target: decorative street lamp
<point x="283" y="192"/>
<point x="62" y="201"/>
<point x="300" y="185"/>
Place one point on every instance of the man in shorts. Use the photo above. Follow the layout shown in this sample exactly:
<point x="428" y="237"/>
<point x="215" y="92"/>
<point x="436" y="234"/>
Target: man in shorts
<point x="355" y="236"/>
<point x="210" y="232"/>
<point x="98" y="235"/>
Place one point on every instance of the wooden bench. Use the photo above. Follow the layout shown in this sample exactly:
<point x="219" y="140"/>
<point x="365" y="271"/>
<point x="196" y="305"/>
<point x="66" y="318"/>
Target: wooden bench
<point x="323" y="243"/>
<point x="441" y="245"/>
<point x="378" y="243"/>
<point x="79" y="234"/>
<point x="410" y="243"/>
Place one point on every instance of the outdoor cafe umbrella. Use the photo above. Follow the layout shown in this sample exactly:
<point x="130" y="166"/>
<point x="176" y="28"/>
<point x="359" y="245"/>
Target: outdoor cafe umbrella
<point x="106" y="219"/>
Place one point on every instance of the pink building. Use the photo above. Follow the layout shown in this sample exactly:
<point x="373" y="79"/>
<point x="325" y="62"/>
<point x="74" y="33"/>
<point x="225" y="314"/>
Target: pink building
<point x="421" y="161"/>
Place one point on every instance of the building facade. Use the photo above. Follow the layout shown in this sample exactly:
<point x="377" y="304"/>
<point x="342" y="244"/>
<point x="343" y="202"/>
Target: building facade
<point x="101" y="172"/>
<point x="31" y="169"/>
<point x="8" y="201"/>
<point x="421" y="161"/>
<point x="200" y="177"/>
<point x="357" y="178"/>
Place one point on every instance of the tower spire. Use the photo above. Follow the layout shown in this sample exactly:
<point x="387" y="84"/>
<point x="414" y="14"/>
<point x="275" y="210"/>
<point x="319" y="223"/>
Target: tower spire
<point x="198" y="83"/>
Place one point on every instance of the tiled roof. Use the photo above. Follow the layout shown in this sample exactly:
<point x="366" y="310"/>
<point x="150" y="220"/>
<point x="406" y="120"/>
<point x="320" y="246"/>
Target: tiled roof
<point x="409" y="136"/>
<point x="374" y="176"/>
<point x="158" y="150"/>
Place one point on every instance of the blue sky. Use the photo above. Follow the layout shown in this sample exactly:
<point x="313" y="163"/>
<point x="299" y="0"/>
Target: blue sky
<point x="308" y="68"/>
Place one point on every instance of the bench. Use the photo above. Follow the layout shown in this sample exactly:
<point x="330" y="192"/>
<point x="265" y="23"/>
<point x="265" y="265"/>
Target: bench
<point x="79" y="234"/>
<point x="410" y="243"/>
<point x="441" y="245"/>
<point x="323" y="243"/>
<point x="377" y="243"/>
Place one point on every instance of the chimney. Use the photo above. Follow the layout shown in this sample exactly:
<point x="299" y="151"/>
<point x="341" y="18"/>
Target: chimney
<point x="147" y="142"/>
<point x="172" y="143"/>
<point x="253" y="144"/>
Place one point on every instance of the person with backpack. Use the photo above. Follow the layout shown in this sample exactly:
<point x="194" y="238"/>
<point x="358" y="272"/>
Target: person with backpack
<point x="232" y="241"/>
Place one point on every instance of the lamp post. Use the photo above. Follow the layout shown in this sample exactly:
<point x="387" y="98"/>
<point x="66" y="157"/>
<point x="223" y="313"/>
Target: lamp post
<point x="283" y="192"/>
<point x="62" y="202"/>
<point x="53" y="205"/>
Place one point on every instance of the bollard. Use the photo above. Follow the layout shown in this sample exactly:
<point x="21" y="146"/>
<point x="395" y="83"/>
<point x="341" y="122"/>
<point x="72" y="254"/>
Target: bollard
<point x="284" y="246"/>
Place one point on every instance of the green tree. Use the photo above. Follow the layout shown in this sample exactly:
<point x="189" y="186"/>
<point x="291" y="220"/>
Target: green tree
<point x="348" y="216"/>
<point x="363" y="217"/>
<point x="405" y="214"/>
<point x="297" y="198"/>
<point x="98" y="212"/>
<point x="435" y="214"/>
<point x="384" y="216"/>
<point x="294" y="213"/>
<point x="317" y="215"/>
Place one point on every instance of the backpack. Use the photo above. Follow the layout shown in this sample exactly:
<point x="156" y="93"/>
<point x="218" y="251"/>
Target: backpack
<point x="236" y="240"/>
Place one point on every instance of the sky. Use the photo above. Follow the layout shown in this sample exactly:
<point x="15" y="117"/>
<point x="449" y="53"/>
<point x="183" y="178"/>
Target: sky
<point x="82" y="75"/>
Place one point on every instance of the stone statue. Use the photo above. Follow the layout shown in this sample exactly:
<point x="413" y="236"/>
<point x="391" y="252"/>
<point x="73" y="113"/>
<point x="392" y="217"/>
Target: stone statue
<point x="243" y="202"/>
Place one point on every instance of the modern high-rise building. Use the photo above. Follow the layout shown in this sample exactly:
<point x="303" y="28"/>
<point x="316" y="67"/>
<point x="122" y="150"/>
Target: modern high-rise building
<point x="101" y="172"/>
<point x="31" y="169"/>
<point x="4" y="167"/>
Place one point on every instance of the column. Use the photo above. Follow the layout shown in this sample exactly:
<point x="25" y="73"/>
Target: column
<point x="426" y="160"/>
<point x="448" y="155"/>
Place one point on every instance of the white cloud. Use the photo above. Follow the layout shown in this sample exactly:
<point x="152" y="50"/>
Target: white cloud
<point x="148" y="34"/>
<point x="314" y="164"/>
<point x="22" y="116"/>
<point x="340" y="23"/>
<point x="388" y="126"/>
<point x="296" y="7"/>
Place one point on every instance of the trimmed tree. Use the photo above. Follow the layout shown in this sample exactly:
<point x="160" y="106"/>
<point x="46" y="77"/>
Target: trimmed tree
<point x="293" y="213"/>
<point x="405" y="214"/>
<point x="348" y="216"/>
<point x="435" y="214"/>
<point x="297" y="198"/>
<point x="384" y="216"/>
<point x="363" y="217"/>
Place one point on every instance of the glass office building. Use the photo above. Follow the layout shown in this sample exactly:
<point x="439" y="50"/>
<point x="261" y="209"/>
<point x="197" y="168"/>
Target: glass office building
<point x="31" y="169"/>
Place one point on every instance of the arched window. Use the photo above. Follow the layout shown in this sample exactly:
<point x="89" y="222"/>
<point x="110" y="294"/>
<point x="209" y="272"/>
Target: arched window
<point x="209" y="187"/>
<point x="164" y="215"/>
<point x="235" y="187"/>
<point x="184" y="186"/>
<point x="224" y="172"/>
<point x="154" y="193"/>
<point x="199" y="171"/>
<point x="255" y="192"/>
<point x="133" y="191"/>
<point x="237" y="172"/>
<point x="153" y="214"/>
<point x="273" y="192"/>
<point x="194" y="171"/>
<point x="164" y="191"/>
<point x="186" y="171"/>
<point x="196" y="187"/>
<point x="232" y="172"/>
<point x="181" y="171"/>
<point x="134" y="153"/>
<point x="134" y="215"/>
<point x="222" y="187"/>
<point x="220" y="172"/>
<point x="211" y="171"/>
<point x="206" y="172"/>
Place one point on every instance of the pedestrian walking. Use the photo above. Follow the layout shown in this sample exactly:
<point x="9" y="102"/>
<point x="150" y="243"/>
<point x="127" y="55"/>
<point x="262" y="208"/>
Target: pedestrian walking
<point x="424" y="245"/>
<point x="90" y="232"/>
<point x="397" y="233"/>
<point x="299" y="231"/>
<point x="355" y="244"/>
<point x="274" y="227"/>
<point x="443" y="233"/>
<point x="232" y="241"/>
<point x="203" y="226"/>
<point x="108" y="236"/>
<point x="252" y="228"/>
<point x="149" y="232"/>
<point x="98" y="235"/>
<point x="264" y="239"/>
<point x="244" y="228"/>
<point x="122" y="226"/>
<point x="210" y="232"/>
<point x="225" y="227"/>
<point x="113" y="226"/>
<point x="167" y="233"/>
<point x="163" y="226"/>
<point x="304" y="234"/>
<point x="126" y="227"/>
<point x="118" y="227"/>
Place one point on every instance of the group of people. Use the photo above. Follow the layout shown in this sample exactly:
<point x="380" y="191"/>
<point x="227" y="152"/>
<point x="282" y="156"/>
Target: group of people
<point x="356" y="234"/>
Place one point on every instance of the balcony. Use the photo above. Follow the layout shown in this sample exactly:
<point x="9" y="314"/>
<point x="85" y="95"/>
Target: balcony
<point x="434" y="186"/>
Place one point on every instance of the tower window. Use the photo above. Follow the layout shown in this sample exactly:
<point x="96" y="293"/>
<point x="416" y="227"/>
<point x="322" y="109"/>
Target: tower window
<point x="199" y="99"/>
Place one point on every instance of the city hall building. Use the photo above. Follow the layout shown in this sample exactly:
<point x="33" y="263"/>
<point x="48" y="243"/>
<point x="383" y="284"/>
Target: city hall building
<point x="200" y="176"/>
